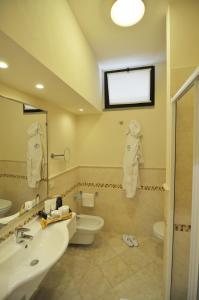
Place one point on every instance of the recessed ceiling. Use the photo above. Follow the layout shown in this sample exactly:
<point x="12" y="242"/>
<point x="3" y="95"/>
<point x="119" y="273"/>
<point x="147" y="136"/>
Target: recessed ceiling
<point x="25" y="72"/>
<point x="143" y="42"/>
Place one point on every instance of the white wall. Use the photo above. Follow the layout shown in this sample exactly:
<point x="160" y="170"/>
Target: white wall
<point x="101" y="138"/>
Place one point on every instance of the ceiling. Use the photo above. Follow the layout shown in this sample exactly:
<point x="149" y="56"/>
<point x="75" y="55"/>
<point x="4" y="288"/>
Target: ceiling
<point x="25" y="71"/>
<point x="143" y="43"/>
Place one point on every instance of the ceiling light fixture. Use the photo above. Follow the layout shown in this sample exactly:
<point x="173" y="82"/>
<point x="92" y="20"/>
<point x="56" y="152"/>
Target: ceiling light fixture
<point x="81" y="109"/>
<point x="39" y="86"/>
<point x="126" y="13"/>
<point x="3" y="65"/>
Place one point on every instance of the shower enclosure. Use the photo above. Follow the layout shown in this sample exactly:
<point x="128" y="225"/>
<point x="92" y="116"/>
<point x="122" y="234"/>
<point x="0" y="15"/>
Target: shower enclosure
<point x="185" y="260"/>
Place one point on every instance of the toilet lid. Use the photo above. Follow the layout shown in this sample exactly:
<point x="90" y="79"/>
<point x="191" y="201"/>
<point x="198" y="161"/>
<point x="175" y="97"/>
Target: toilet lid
<point x="4" y="204"/>
<point x="158" y="229"/>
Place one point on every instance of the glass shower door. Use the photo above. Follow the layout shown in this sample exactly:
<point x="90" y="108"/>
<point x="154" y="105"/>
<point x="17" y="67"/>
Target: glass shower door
<point x="183" y="196"/>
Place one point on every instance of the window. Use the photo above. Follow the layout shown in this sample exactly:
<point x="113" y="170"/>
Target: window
<point x="30" y="109"/>
<point x="129" y="87"/>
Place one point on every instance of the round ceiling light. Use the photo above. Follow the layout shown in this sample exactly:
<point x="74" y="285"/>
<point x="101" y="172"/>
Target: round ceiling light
<point x="127" y="12"/>
<point x="3" y="65"/>
<point x="39" y="86"/>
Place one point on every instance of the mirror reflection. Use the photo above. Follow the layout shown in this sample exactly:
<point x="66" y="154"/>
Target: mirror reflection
<point x="23" y="158"/>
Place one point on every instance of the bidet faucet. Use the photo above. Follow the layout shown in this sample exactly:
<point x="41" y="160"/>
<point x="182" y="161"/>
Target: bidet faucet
<point x="21" y="236"/>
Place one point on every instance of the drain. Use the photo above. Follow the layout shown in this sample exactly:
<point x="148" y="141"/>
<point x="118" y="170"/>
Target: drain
<point x="34" y="262"/>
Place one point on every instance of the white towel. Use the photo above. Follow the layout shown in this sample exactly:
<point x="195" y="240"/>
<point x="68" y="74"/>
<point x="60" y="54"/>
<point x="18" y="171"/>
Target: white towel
<point x="88" y="199"/>
<point x="35" y="155"/>
<point x="132" y="158"/>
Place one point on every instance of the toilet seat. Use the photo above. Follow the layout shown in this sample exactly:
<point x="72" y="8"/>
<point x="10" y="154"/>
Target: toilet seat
<point x="158" y="229"/>
<point x="5" y="205"/>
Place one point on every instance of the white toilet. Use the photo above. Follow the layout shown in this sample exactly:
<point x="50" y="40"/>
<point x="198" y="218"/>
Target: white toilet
<point x="86" y="228"/>
<point x="5" y="205"/>
<point x="158" y="230"/>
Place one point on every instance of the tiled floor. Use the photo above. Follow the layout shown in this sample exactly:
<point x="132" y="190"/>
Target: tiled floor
<point x="106" y="270"/>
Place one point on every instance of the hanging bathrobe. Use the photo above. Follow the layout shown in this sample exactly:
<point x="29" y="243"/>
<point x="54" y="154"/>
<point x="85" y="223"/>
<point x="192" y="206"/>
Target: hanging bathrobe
<point x="132" y="158"/>
<point x="35" y="155"/>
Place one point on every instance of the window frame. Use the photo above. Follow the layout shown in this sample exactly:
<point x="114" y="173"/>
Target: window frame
<point x="127" y="105"/>
<point x="31" y="110"/>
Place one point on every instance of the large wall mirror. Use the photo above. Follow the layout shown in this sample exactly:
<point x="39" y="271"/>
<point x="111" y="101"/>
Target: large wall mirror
<point x="23" y="158"/>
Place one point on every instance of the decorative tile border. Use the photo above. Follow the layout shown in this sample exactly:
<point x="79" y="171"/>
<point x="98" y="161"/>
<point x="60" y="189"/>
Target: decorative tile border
<point x="15" y="176"/>
<point x="152" y="188"/>
<point x="119" y="186"/>
<point x="182" y="227"/>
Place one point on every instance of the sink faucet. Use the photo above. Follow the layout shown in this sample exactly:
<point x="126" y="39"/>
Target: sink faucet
<point x="21" y="236"/>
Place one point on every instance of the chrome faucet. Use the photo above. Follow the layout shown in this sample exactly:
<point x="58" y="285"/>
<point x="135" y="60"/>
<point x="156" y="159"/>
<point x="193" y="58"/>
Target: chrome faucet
<point x="21" y="236"/>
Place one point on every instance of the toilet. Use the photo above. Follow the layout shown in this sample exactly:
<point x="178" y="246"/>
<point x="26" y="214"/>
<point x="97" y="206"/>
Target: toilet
<point x="158" y="230"/>
<point x="5" y="206"/>
<point x="86" y="228"/>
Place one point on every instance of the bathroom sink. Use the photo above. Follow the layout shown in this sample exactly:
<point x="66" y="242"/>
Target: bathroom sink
<point x="30" y="260"/>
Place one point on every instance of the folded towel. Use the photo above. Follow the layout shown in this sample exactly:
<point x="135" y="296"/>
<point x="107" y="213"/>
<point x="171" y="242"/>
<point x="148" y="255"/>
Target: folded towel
<point x="88" y="199"/>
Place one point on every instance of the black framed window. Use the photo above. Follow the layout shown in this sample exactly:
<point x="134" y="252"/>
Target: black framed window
<point x="132" y="87"/>
<point x="29" y="109"/>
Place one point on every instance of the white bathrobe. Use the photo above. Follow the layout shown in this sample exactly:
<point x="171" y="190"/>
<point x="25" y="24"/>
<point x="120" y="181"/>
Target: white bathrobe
<point x="132" y="158"/>
<point x="35" y="155"/>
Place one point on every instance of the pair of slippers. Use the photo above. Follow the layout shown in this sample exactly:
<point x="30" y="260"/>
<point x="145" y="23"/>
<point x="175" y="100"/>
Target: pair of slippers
<point x="130" y="240"/>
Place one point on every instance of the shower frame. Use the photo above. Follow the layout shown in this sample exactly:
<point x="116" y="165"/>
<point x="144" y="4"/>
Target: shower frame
<point x="193" y="276"/>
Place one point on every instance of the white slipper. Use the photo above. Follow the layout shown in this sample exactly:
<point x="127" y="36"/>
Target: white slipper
<point x="133" y="240"/>
<point x="130" y="240"/>
<point x="135" y="243"/>
<point x="126" y="238"/>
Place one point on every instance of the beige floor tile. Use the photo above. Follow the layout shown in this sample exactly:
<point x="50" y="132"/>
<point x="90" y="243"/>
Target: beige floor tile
<point x="109" y="295"/>
<point x="55" y="278"/>
<point x="44" y="293"/>
<point x="94" y="284"/>
<point x="77" y="267"/>
<point x="131" y="288"/>
<point x="139" y="287"/>
<point x="152" y="247"/>
<point x="116" y="243"/>
<point x="98" y="253"/>
<point x="106" y="270"/>
<point x="67" y="292"/>
<point x="115" y="270"/>
<point x="136" y="259"/>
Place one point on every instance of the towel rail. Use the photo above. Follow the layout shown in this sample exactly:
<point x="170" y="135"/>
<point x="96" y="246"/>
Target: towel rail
<point x="53" y="155"/>
<point x="65" y="155"/>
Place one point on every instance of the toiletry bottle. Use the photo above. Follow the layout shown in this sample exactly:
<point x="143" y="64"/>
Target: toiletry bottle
<point x="37" y="199"/>
<point x="42" y="214"/>
<point x="58" y="202"/>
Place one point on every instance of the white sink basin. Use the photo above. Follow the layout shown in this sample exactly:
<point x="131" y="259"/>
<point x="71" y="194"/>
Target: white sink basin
<point x="17" y="277"/>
